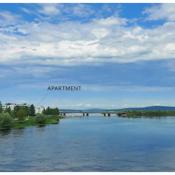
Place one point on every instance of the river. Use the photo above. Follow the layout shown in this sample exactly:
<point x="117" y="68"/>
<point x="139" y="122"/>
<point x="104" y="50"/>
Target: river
<point x="93" y="143"/>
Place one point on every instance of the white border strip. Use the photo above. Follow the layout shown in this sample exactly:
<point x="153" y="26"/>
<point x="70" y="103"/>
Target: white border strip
<point x="88" y="173"/>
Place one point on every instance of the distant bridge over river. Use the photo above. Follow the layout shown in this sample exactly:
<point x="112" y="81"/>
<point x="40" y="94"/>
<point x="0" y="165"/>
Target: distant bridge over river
<point x="88" y="113"/>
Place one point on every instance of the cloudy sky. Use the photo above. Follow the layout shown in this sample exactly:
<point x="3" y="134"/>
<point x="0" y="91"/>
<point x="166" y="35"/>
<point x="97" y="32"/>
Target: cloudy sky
<point x="121" y="55"/>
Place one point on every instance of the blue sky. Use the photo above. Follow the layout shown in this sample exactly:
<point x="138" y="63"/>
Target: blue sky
<point x="122" y="55"/>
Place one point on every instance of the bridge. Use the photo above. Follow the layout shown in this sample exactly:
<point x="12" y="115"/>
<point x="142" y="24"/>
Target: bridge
<point x="88" y="113"/>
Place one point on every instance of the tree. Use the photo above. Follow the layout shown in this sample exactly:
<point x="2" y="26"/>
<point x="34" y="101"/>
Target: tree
<point x="32" y="110"/>
<point x="21" y="114"/>
<point x="15" y="110"/>
<point x="44" y="111"/>
<point x="6" y="121"/>
<point x="1" y="109"/>
<point x="47" y="110"/>
<point x="40" y="119"/>
<point x="8" y="110"/>
<point x="57" y="111"/>
<point x="51" y="111"/>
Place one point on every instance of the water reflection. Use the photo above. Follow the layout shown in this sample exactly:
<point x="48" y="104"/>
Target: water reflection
<point x="4" y="132"/>
<point x="91" y="143"/>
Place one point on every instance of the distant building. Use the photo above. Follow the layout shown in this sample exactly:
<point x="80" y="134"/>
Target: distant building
<point x="12" y="105"/>
<point x="39" y="109"/>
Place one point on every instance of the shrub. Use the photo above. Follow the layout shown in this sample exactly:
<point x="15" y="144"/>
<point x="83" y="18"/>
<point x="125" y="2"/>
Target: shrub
<point x="40" y="119"/>
<point x="53" y="119"/>
<point x="6" y="121"/>
<point x="32" y="110"/>
<point x="56" y="117"/>
<point x="21" y="114"/>
<point x="51" y="111"/>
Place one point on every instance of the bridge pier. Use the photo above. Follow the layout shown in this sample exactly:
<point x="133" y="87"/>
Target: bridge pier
<point x="62" y="114"/>
<point x="85" y="114"/>
<point x="109" y="114"/>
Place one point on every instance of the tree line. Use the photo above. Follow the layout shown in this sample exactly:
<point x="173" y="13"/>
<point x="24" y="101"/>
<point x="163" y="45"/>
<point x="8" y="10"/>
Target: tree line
<point x="21" y="113"/>
<point x="151" y="113"/>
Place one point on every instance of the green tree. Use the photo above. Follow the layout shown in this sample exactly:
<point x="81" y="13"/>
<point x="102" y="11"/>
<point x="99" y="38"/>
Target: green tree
<point x="1" y="109"/>
<point x="15" y="110"/>
<point x="44" y="111"/>
<point x="21" y="114"/>
<point x="51" y="111"/>
<point x="6" y="121"/>
<point x="8" y="110"/>
<point x="40" y="119"/>
<point x="47" y="110"/>
<point x="32" y="110"/>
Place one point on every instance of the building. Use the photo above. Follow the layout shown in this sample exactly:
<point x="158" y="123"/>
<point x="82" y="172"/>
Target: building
<point x="12" y="105"/>
<point x="39" y="109"/>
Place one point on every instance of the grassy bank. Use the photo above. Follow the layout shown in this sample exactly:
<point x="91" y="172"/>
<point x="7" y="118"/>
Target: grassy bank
<point x="24" y="115"/>
<point x="39" y="120"/>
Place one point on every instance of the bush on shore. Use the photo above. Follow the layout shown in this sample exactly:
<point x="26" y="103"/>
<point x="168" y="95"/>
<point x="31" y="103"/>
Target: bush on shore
<point x="6" y="121"/>
<point x="40" y="120"/>
<point x="156" y="113"/>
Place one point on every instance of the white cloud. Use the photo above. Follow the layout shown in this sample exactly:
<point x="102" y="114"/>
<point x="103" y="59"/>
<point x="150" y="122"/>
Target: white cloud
<point x="162" y="11"/>
<point x="127" y="88"/>
<point x="49" y="9"/>
<point x="97" y="41"/>
<point x="81" y="10"/>
<point x="7" y="18"/>
<point x="63" y="11"/>
<point x="110" y="21"/>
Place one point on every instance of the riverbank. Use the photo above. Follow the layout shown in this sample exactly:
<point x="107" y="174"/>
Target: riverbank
<point x="136" y="114"/>
<point x="24" y="115"/>
<point x="39" y="120"/>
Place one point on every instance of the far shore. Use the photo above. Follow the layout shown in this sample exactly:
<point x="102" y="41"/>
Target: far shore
<point x="141" y="113"/>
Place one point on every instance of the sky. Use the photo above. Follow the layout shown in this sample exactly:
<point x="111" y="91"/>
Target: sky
<point x="122" y="55"/>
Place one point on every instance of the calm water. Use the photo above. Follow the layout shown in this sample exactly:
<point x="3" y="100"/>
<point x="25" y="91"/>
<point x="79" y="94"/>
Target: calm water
<point x="91" y="144"/>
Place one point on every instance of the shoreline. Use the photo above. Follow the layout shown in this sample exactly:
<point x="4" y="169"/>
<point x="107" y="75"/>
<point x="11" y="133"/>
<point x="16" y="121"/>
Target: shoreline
<point x="32" y="121"/>
<point x="137" y="114"/>
<point x="43" y="120"/>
